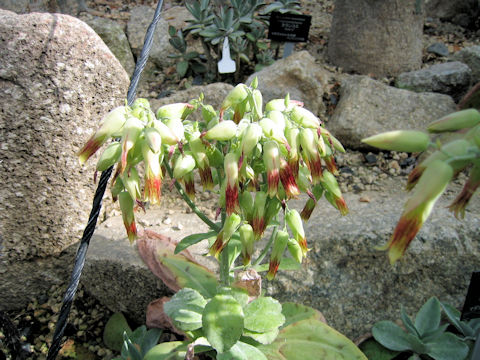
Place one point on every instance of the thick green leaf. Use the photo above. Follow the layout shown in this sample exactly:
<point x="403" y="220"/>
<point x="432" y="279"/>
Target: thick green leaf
<point x="296" y="312"/>
<point x="453" y="316"/>
<point x="192" y="240"/>
<point x="242" y="351"/>
<point x="166" y="350"/>
<point x="408" y="322"/>
<point x="185" y="309"/>
<point x="150" y="340"/>
<point x="113" y="331"/>
<point x="393" y="337"/>
<point x="263" y="314"/>
<point x="238" y="294"/>
<point x="446" y="347"/>
<point x="263" y="338"/>
<point x="311" y="339"/>
<point x="191" y="275"/>
<point x="375" y="351"/>
<point x="428" y="317"/>
<point x="222" y="322"/>
<point x="182" y="68"/>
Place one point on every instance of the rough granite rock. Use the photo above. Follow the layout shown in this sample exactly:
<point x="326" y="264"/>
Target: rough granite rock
<point x="70" y="7"/>
<point x="452" y="78"/>
<point x="448" y="10"/>
<point x="470" y="56"/>
<point x="343" y="276"/>
<point x="112" y="34"/>
<point x="297" y="75"/>
<point x="368" y="107"/>
<point x="57" y="79"/>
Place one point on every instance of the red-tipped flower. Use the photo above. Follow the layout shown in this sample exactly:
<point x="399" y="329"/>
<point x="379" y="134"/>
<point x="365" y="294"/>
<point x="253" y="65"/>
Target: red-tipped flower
<point x="271" y="159"/>
<point x="279" y="245"/>
<point x="127" y="205"/>
<point x="258" y="221"/>
<point x="431" y="185"/>
<point x="294" y="222"/>
<point x="153" y="176"/>
<point x="333" y="192"/>
<point x="311" y="156"/>
<point x="288" y="179"/>
<point x="110" y="125"/>
<point x="231" y="224"/>
<point x="231" y="190"/>
<point x="461" y="201"/>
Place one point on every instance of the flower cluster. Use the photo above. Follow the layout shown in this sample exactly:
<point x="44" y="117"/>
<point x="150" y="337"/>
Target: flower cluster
<point x="256" y="159"/>
<point x="430" y="178"/>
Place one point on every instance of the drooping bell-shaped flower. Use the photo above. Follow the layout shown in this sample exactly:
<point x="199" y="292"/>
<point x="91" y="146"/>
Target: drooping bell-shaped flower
<point x="418" y="207"/>
<point x="278" y="247"/>
<point x="330" y="184"/>
<point x="316" y="194"/>
<point x="176" y="127"/>
<point x="131" y="132"/>
<point x="271" y="159"/>
<point x="247" y="205"/>
<point x="272" y="131"/>
<point x="293" y="157"/>
<point x="285" y="104"/>
<point x="131" y="181"/>
<point x="454" y="148"/>
<point x="258" y="222"/>
<point x="248" y="239"/>
<point x="199" y="152"/>
<point x="231" y="190"/>
<point x="153" y="139"/>
<point x="110" y="126"/>
<point x="231" y="224"/>
<point x="461" y="201"/>
<point x="126" y="206"/>
<point x="189" y="181"/>
<point x="295" y="224"/>
<point x="250" y="139"/>
<point x="153" y="175"/>
<point x="235" y="97"/>
<point x="288" y="180"/>
<point x="311" y="156"/>
<point x="330" y="139"/>
<point x="330" y="161"/>
<point x="167" y="135"/>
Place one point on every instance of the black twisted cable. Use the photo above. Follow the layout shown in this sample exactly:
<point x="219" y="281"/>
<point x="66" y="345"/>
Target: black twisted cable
<point x="97" y="202"/>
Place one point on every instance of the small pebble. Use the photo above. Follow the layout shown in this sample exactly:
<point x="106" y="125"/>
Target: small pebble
<point x="167" y="221"/>
<point x="364" y="199"/>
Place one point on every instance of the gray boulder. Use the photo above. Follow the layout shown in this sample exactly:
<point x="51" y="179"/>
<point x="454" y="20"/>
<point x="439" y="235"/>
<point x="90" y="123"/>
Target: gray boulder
<point x="343" y="276"/>
<point x="57" y="79"/>
<point x="114" y="37"/>
<point x="470" y="56"/>
<point x="140" y="19"/>
<point x="297" y="75"/>
<point x="461" y="12"/>
<point x="451" y="78"/>
<point x="70" y="7"/>
<point x="368" y="107"/>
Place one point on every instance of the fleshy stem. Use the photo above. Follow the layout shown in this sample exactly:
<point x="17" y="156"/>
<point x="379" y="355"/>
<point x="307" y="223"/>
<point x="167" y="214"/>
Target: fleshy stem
<point x="266" y="248"/>
<point x="224" y="267"/>
<point x="190" y="203"/>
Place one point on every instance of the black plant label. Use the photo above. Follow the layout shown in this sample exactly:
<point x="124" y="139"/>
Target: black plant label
<point x="471" y="307"/>
<point x="289" y="27"/>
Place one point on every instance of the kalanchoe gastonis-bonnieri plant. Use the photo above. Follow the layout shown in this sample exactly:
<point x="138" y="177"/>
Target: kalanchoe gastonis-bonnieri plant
<point x="426" y="336"/>
<point x="256" y="160"/>
<point x="430" y="178"/>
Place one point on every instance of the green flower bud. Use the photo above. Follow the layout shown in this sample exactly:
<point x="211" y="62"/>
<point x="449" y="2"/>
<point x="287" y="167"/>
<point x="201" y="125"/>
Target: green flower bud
<point x="110" y="156"/>
<point x="330" y="184"/>
<point x="175" y="111"/>
<point x="400" y="140"/>
<point x="223" y="131"/>
<point x="295" y="250"/>
<point x="311" y="156"/>
<point x="271" y="159"/>
<point x="257" y="103"/>
<point x="183" y="165"/>
<point x="237" y="95"/>
<point x="153" y="139"/>
<point x="251" y="137"/>
<point x="177" y="128"/>
<point x="294" y="222"/>
<point x="167" y="135"/>
<point x="458" y="120"/>
<point x="330" y="139"/>
<point x="247" y="205"/>
<point x="304" y="117"/>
